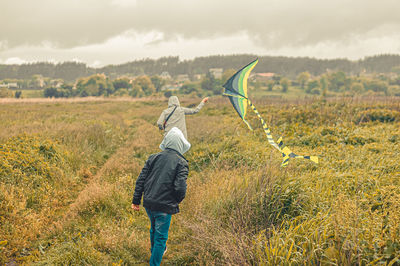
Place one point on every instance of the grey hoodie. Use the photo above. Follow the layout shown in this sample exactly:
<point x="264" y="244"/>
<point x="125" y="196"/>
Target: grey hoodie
<point x="175" y="140"/>
<point x="177" y="119"/>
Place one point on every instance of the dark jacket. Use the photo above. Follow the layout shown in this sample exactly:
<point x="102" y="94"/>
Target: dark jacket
<point x="162" y="182"/>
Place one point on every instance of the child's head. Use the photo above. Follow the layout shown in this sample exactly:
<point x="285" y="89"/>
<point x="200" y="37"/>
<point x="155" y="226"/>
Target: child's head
<point x="176" y="141"/>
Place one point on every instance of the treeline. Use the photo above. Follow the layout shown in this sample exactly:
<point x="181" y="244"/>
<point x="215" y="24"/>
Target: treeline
<point x="285" y="66"/>
<point x="100" y="85"/>
<point x="327" y="85"/>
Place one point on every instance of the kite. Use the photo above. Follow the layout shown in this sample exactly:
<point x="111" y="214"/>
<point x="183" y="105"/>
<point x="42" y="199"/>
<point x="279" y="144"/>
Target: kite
<point x="236" y="91"/>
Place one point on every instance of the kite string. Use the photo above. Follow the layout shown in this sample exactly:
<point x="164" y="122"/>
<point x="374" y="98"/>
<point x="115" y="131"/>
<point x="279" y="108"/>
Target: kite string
<point x="286" y="152"/>
<point x="265" y="127"/>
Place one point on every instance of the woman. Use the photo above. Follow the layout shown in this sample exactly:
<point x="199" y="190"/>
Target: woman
<point x="174" y="115"/>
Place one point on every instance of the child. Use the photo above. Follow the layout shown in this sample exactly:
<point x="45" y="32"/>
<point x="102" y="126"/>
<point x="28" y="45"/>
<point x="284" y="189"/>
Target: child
<point x="174" y="115"/>
<point x="162" y="182"/>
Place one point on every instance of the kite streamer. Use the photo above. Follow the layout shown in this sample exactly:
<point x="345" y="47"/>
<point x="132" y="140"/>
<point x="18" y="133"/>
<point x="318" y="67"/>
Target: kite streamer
<point x="236" y="91"/>
<point x="287" y="154"/>
<point x="265" y="127"/>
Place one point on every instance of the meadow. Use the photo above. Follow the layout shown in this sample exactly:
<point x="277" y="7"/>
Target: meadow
<point x="68" y="169"/>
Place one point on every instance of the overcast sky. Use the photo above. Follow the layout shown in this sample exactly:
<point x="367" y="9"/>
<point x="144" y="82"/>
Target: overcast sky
<point x="101" y="32"/>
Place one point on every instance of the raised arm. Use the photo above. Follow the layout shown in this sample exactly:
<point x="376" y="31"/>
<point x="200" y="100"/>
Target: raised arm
<point x="190" y="111"/>
<point x="180" y="182"/>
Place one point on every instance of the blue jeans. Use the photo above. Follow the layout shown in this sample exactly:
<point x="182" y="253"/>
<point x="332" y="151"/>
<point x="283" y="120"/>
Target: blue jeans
<point x="160" y="222"/>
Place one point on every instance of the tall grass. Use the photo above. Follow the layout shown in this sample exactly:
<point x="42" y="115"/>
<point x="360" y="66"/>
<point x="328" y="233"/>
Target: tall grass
<point x="241" y="207"/>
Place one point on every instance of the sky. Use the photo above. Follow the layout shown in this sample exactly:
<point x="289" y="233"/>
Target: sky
<point x="102" y="32"/>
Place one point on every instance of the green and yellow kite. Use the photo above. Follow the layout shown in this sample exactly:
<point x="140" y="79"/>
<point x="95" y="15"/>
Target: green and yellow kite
<point x="236" y="91"/>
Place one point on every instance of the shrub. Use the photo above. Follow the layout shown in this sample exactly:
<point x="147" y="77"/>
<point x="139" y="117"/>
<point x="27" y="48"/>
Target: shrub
<point x="379" y="115"/>
<point x="34" y="183"/>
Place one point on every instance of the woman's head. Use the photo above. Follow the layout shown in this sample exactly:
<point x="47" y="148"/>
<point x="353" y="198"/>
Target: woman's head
<point x="173" y="101"/>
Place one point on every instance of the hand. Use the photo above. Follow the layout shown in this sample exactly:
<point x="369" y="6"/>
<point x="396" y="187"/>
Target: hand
<point x="135" y="207"/>
<point x="205" y="100"/>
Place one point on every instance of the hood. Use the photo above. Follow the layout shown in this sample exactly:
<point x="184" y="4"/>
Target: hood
<point x="173" y="101"/>
<point x="176" y="141"/>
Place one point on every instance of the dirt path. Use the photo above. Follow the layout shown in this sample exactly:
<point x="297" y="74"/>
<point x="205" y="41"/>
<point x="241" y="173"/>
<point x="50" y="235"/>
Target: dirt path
<point x="146" y="136"/>
<point x="126" y="162"/>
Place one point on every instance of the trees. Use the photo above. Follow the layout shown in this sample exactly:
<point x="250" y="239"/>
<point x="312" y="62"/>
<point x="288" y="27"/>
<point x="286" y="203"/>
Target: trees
<point x="211" y="84"/>
<point x="285" y="66"/>
<point x="95" y="85"/>
<point x="36" y="82"/>
<point x="50" y="92"/>
<point x="338" y="81"/>
<point x="144" y="82"/>
<point x="376" y="85"/>
<point x="270" y="85"/>
<point x="285" y="84"/>
<point x="136" y="91"/>
<point x="167" y="94"/>
<point x="65" y="91"/>
<point x="121" y="92"/>
<point x="357" y="87"/>
<point x="312" y="86"/>
<point x="303" y="78"/>
<point x="227" y="74"/>
<point x="157" y="82"/>
<point x="121" y="83"/>
<point x="190" y="88"/>
<point x="324" y="84"/>
<point x="396" y="69"/>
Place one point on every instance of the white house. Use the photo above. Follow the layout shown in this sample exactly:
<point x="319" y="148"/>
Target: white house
<point x="165" y="75"/>
<point x="12" y="85"/>
<point x="216" y="72"/>
<point x="182" y="78"/>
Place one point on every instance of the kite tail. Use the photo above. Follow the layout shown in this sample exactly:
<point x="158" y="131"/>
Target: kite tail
<point x="287" y="154"/>
<point x="265" y="127"/>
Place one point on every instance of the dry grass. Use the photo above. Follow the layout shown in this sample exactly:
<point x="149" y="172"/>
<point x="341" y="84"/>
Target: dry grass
<point x="77" y="100"/>
<point x="241" y="207"/>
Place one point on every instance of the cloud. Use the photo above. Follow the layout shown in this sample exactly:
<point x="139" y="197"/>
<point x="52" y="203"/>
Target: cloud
<point x="273" y="25"/>
<point x="285" y="22"/>
<point x="15" y="60"/>
<point x="132" y="45"/>
<point x="124" y="3"/>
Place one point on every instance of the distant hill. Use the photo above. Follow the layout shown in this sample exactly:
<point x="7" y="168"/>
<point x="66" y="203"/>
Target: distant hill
<point x="287" y="66"/>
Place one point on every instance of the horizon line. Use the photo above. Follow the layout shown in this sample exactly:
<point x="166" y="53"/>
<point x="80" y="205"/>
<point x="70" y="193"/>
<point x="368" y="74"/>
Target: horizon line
<point x="54" y="62"/>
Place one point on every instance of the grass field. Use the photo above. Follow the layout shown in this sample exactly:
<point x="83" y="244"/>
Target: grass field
<point x="31" y="93"/>
<point x="67" y="172"/>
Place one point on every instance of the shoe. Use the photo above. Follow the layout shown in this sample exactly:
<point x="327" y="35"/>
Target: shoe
<point x="165" y="250"/>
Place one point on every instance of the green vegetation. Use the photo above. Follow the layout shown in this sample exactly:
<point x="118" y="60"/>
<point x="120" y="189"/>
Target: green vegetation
<point x="285" y="66"/>
<point x="330" y="84"/>
<point x="67" y="171"/>
<point x="31" y="94"/>
<point x="289" y="77"/>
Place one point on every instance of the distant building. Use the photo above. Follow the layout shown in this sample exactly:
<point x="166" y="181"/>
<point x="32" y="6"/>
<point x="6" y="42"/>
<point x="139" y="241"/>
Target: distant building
<point x="171" y="87"/>
<point x="182" y="78"/>
<point x="13" y="85"/>
<point x="197" y="77"/>
<point x="216" y="72"/>
<point x="57" y="83"/>
<point x="165" y="75"/>
<point x="262" y="76"/>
